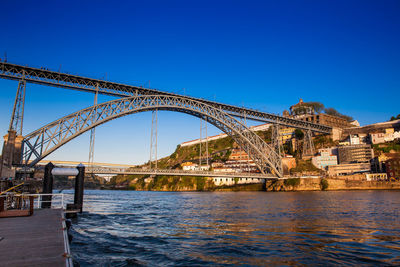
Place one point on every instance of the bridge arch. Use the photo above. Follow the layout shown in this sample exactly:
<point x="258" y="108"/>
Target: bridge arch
<point x="45" y="140"/>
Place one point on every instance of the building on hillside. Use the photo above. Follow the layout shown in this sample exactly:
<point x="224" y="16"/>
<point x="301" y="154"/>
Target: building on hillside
<point x="327" y="157"/>
<point x="203" y="168"/>
<point x="224" y="169"/>
<point x="355" y="154"/>
<point x="376" y="177"/>
<point x="189" y="166"/>
<point x="388" y="135"/>
<point x="302" y="111"/>
<point x="326" y="119"/>
<point x="286" y="134"/>
<point x="231" y="181"/>
<point x="389" y="128"/>
<point x="393" y="168"/>
<point x="355" y="139"/>
<point x="217" y="164"/>
<point x="346" y="169"/>
<point x="288" y="162"/>
<point x="378" y="163"/>
<point x="301" y="108"/>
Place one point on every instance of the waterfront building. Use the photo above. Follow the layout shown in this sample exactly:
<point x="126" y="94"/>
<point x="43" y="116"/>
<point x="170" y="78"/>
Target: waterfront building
<point x="232" y="181"/>
<point x="327" y="157"/>
<point x="355" y="154"/>
<point x="376" y="177"/>
<point x="346" y="169"/>
<point x="288" y="162"/>
<point x="393" y="168"/>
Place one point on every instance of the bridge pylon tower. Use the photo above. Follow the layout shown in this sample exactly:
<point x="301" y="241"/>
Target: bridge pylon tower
<point x="203" y="135"/>
<point x="308" y="144"/>
<point x="93" y="130"/>
<point x="12" y="151"/>
<point x="275" y="139"/>
<point x="153" y="139"/>
<point x="17" y="116"/>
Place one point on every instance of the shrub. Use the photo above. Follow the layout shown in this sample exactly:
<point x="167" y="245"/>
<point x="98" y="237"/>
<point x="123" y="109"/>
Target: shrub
<point x="324" y="184"/>
<point x="292" y="182"/>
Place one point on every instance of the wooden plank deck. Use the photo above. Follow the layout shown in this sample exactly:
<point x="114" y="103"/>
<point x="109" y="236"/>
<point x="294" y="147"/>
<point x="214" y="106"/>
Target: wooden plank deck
<point x="36" y="240"/>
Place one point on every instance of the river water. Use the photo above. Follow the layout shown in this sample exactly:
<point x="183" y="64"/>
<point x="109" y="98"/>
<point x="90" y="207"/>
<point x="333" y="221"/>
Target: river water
<point x="132" y="228"/>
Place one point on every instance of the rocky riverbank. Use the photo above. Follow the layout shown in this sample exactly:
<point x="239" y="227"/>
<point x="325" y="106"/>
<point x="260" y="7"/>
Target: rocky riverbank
<point x="317" y="184"/>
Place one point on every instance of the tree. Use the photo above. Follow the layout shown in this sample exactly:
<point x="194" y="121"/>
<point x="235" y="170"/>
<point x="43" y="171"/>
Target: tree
<point x="334" y="112"/>
<point x="298" y="134"/>
<point x="317" y="106"/>
<point x="393" y="118"/>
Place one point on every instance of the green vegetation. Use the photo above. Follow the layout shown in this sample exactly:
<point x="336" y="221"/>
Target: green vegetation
<point x="388" y="147"/>
<point x="334" y="112"/>
<point x="304" y="166"/>
<point x="322" y="141"/>
<point x="393" y="118"/>
<point x="324" y="184"/>
<point x="161" y="183"/>
<point x="298" y="134"/>
<point x="292" y="182"/>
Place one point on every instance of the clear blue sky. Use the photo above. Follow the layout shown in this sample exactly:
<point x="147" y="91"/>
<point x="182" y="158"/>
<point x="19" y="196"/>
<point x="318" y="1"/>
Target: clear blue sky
<point x="260" y="54"/>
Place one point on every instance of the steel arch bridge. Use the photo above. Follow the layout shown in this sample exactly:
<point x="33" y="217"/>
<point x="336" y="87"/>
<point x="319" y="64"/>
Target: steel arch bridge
<point x="42" y="142"/>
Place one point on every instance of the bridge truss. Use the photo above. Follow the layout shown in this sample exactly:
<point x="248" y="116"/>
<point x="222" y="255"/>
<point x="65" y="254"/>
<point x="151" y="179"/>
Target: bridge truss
<point x="40" y="143"/>
<point x="58" y="79"/>
<point x="170" y="172"/>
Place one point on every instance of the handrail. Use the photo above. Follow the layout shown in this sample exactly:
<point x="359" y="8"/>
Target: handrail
<point x="11" y="188"/>
<point x="57" y="202"/>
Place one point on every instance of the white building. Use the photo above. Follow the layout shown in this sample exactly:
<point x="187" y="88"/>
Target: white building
<point x="376" y="177"/>
<point x="189" y="166"/>
<point x="231" y="181"/>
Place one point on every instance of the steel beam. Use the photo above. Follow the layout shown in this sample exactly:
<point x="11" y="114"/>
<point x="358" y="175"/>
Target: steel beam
<point x="50" y="137"/>
<point x="57" y="79"/>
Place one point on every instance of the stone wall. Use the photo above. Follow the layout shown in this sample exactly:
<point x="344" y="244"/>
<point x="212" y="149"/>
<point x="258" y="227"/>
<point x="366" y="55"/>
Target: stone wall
<point x="314" y="184"/>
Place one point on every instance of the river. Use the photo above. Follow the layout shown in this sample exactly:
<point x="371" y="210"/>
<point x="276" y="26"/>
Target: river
<point x="135" y="228"/>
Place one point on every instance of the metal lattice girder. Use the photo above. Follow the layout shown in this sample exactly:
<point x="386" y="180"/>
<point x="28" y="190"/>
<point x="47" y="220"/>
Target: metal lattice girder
<point x="17" y="116"/>
<point x="69" y="81"/>
<point x="308" y="144"/>
<point x="107" y="170"/>
<point x="42" y="142"/>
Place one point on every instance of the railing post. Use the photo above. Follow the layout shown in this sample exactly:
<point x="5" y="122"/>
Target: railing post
<point x="79" y="184"/>
<point x="47" y="186"/>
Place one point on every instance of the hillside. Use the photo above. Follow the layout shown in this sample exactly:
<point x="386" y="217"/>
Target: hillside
<point x="219" y="151"/>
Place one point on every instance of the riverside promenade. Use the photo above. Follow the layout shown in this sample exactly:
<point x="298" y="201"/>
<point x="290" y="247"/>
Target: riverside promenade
<point x="37" y="240"/>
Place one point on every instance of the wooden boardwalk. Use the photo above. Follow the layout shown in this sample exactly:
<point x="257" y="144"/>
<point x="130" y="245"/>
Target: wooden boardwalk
<point x="37" y="240"/>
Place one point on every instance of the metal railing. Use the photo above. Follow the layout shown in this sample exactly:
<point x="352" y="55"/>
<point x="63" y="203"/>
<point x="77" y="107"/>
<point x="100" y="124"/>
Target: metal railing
<point x="55" y="200"/>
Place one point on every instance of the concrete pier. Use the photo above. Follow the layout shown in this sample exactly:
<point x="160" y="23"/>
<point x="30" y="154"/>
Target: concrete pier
<point x="37" y="240"/>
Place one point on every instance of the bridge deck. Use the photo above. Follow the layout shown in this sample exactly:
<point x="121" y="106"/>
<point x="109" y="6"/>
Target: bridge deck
<point x="36" y="240"/>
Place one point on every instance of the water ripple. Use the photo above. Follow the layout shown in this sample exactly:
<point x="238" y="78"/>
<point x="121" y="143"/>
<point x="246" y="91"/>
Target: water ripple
<point x="128" y="228"/>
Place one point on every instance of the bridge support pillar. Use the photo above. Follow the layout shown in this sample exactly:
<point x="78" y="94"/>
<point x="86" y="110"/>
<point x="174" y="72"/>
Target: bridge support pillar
<point x="47" y="186"/>
<point x="11" y="154"/>
<point x="79" y="185"/>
